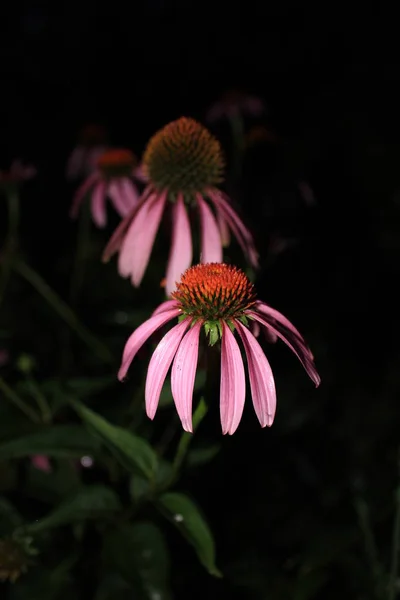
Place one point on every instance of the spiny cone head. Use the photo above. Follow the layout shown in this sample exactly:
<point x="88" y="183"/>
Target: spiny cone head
<point x="214" y="292"/>
<point x="183" y="157"/>
<point x="118" y="162"/>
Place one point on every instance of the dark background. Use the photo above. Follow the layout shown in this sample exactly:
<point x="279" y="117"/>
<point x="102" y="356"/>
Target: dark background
<point x="282" y="502"/>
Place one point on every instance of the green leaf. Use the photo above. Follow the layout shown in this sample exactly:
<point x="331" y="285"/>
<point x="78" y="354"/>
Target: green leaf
<point x="131" y="450"/>
<point x="140" y="487"/>
<point x="89" y="502"/>
<point x="186" y="517"/>
<point x="10" y="518"/>
<point x="201" y="456"/>
<point x="138" y="552"/>
<point x="58" y="441"/>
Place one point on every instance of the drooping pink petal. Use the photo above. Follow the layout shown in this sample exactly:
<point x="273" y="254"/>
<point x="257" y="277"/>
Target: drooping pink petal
<point x="140" y="174"/>
<point x="99" y="204"/>
<point x="262" y="382"/>
<point x="180" y="256"/>
<point x="123" y="194"/>
<point x="183" y="375"/>
<point x="139" y="239"/>
<point x="140" y="335"/>
<point x="211" y="245"/>
<point x="233" y="386"/>
<point x="75" y="162"/>
<point x="278" y="319"/>
<point x="114" y="243"/>
<point x="81" y="193"/>
<point x="160" y="363"/>
<point x="298" y="347"/>
<point x="223" y="230"/>
<point x="236" y="225"/>
<point x="41" y="462"/>
<point x="167" y="305"/>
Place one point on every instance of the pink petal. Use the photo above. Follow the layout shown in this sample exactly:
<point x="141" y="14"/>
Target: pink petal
<point x="160" y="363"/>
<point x="167" y="305"/>
<point x="99" y="204"/>
<point x="261" y="378"/>
<point x="233" y="386"/>
<point x="223" y="230"/>
<point x="123" y="195"/>
<point x="114" y="243"/>
<point x="82" y="191"/>
<point x="140" y="335"/>
<point x="139" y="239"/>
<point x="211" y="245"/>
<point x="296" y="345"/>
<point x="41" y="462"/>
<point x="237" y="226"/>
<point x="140" y="174"/>
<point x="180" y="257"/>
<point x="183" y="375"/>
<point x="268" y="311"/>
<point x="75" y="163"/>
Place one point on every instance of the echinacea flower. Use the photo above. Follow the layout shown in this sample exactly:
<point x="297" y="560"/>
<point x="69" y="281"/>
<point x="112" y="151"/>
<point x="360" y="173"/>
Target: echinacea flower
<point x="16" y="175"/>
<point x="183" y="163"/>
<point x="41" y="462"/>
<point x="83" y="158"/>
<point x="234" y="103"/>
<point x="112" y="178"/>
<point x="220" y="300"/>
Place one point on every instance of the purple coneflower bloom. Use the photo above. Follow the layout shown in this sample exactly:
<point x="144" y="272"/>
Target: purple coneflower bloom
<point x="220" y="300"/>
<point x="234" y="103"/>
<point x="112" y="178"/>
<point x="183" y="163"/>
<point x="83" y="158"/>
<point x="41" y="462"/>
<point x="16" y="174"/>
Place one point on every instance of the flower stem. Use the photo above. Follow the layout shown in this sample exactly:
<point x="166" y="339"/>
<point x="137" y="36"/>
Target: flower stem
<point x="186" y="438"/>
<point x="18" y="402"/>
<point x="64" y="311"/>
<point x="364" y="522"/>
<point x="393" y="579"/>
<point x="11" y="240"/>
<point x="41" y="400"/>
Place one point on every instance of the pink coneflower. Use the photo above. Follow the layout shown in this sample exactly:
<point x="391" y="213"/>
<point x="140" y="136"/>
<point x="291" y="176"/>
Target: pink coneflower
<point x="112" y="178"/>
<point x="220" y="300"/>
<point x="83" y="158"/>
<point x="16" y="174"/>
<point x="183" y="162"/>
<point x="234" y="103"/>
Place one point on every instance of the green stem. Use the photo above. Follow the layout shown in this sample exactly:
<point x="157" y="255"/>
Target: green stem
<point x="186" y="438"/>
<point x="18" y="402"/>
<point x="12" y="239"/>
<point x="64" y="311"/>
<point x="79" y="266"/>
<point x="364" y="521"/>
<point x="41" y="400"/>
<point x="393" y="583"/>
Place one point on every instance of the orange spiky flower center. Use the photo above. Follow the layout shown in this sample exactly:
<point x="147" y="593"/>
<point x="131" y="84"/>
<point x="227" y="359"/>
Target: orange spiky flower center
<point x="118" y="162"/>
<point x="183" y="157"/>
<point x="215" y="292"/>
<point x="14" y="557"/>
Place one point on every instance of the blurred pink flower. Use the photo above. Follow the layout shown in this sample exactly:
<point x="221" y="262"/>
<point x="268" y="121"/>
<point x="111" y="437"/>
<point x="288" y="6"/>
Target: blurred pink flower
<point x="17" y="173"/>
<point x="83" y="158"/>
<point x="234" y="103"/>
<point x="41" y="462"/>
<point x="4" y="357"/>
<point x="113" y="178"/>
<point x="220" y="299"/>
<point x="183" y="162"/>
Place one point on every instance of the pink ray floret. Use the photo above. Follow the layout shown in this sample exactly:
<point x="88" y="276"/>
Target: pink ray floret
<point x="113" y="178"/>
<point x="220" y="299"/>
